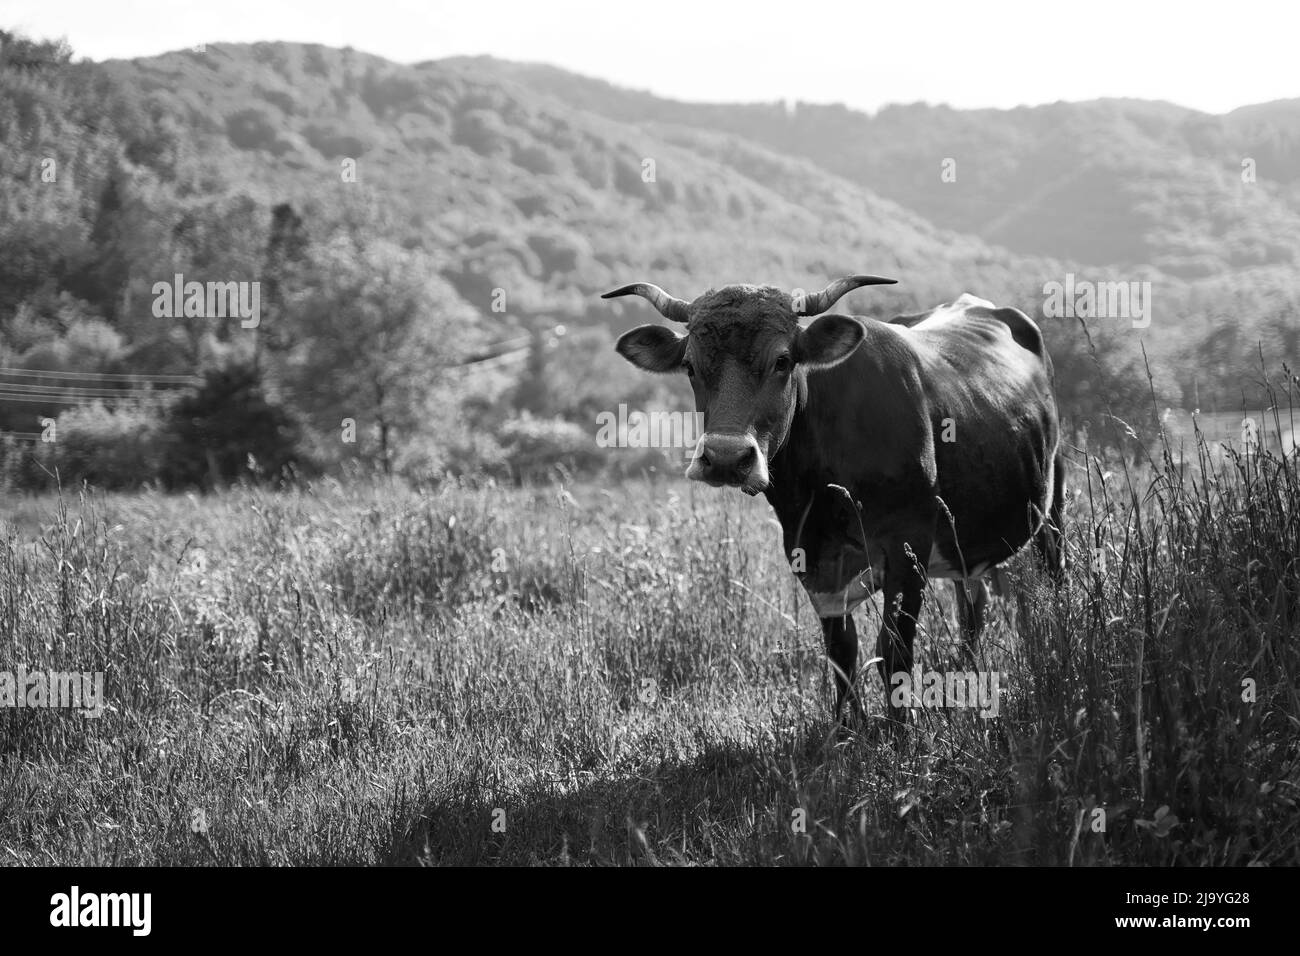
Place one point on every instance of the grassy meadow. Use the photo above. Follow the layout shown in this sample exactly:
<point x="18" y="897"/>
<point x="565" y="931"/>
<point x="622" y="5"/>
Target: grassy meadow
<point x="369" y="673"/>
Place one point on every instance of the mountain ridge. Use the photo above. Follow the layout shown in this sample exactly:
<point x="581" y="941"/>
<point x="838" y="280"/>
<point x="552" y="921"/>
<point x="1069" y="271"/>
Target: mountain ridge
<point x="508" y="184"/>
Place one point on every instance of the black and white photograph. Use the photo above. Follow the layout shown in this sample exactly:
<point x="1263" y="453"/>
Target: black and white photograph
<point x="613" y="435"/>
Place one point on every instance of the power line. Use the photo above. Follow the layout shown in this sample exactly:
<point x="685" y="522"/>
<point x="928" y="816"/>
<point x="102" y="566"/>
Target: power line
<point x="79" y="390"/>
<point x="58" y="400"/>
<point x="104" y="376"/>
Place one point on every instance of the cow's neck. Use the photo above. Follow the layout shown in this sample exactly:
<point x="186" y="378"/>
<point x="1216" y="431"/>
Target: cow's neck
<point x="801" y="467"/>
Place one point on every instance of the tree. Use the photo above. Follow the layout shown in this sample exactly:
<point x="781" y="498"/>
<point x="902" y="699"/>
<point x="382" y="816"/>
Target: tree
<point x="368" y="334"/>
<point x="286" y="250"/>
<point x="533" y="393"/>
<point x="101" y="278"/>
<point x="18" y="52"/>
<point x="227" y="430"/>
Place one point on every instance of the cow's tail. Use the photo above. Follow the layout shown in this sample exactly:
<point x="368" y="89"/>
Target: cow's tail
<point x="1049" y="542"/>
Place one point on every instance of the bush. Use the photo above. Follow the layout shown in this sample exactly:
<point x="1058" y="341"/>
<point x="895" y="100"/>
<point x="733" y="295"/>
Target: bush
<point x="253" y="129"/>
<point x="534" y="158"/>
<point x="559" y="251"/>
<point x="537" y="447"/>
<point x="392" y="93"/>
<point x="108" y="447"/>
<point x="228" y="430"/>
<point x="483" y="132"/>
<point x="331" y="139"/>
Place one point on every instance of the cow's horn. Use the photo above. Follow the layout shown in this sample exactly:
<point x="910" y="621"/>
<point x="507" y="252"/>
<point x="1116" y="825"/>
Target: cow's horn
<point x="668" y="306"/>
<point x="819" y="302"/>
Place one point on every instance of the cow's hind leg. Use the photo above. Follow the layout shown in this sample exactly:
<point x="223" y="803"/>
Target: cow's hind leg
<point x="841" y="637"/>
<point x="972" y="603"/>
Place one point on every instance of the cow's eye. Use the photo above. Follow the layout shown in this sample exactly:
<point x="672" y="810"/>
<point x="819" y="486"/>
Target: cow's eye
<point x="690" y="369"/>
<point x="783" y="365"/>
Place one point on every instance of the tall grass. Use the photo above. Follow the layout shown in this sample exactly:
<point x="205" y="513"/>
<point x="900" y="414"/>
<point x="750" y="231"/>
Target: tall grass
<point x="353" y="674"/>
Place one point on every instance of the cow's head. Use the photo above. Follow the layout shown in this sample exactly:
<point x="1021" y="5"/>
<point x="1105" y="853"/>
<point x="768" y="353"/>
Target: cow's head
<point x="747" y="359"/>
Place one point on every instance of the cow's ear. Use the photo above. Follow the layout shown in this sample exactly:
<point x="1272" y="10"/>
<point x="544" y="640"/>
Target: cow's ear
<point x="653" y="348"/>
<point x="829" y="340"/>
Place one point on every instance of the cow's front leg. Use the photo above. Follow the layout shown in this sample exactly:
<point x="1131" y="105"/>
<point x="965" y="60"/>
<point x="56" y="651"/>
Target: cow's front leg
<point x="841" y="636"/>
<point x="904" y="588"/>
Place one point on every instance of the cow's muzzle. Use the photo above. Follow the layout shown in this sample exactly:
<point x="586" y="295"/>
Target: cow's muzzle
<point x="732" y="460"/>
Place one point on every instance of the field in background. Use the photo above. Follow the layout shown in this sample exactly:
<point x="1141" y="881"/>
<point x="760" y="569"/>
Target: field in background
<point x="363" y="674"/>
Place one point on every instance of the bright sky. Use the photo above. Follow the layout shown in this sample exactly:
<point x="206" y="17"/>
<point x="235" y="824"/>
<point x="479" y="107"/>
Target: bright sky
<point x="864" y="53"/>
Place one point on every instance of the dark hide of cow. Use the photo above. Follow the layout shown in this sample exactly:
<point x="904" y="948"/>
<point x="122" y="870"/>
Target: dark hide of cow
<point x="891" y="452"/>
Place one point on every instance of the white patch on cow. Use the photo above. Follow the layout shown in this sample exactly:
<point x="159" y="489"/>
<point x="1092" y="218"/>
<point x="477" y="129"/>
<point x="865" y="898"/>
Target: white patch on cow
<point x="842" y="602"/>
<point x="967" y="301"/>
<point x="941" y="567"/>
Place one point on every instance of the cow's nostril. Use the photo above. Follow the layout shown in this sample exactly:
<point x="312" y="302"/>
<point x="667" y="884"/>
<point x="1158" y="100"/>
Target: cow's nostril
<point x="725" y="459"/>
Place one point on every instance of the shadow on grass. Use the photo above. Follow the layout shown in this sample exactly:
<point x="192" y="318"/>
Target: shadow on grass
<point x="813" y="797"/>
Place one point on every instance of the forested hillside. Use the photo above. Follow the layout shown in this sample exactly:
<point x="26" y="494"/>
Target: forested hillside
<point x="1107" y="182"/>
<point x="430" y="241"/>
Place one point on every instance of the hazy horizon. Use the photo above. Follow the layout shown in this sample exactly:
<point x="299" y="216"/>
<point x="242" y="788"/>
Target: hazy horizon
<point x="1115" y="51"/>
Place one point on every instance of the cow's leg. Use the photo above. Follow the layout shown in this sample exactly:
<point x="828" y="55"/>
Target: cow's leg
<point x="841" y="637"/>
<point x="1049" y="542"/>
<point x="904" y="588"/>
<point x="972" y="602"/>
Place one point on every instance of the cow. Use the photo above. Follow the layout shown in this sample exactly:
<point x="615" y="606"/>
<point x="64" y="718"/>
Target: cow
<point x="891" y="451"/>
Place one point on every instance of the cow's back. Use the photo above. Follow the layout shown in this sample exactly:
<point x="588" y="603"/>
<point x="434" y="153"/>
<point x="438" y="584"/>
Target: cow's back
<point x="988" y="385"/>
